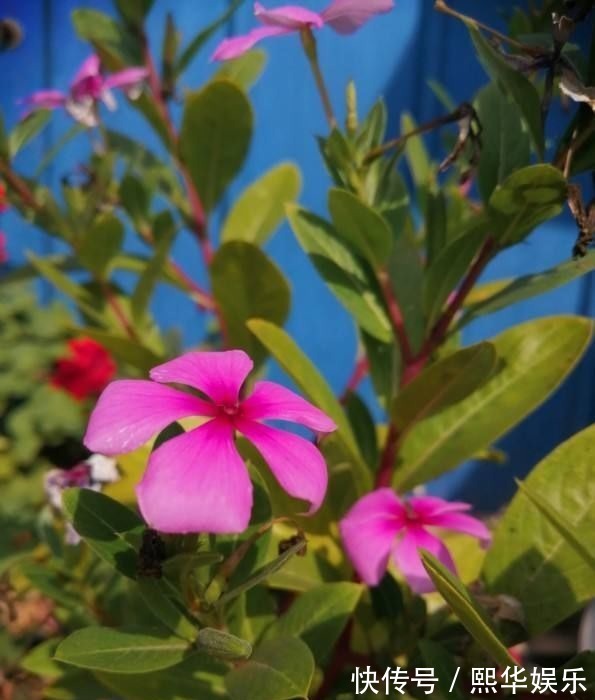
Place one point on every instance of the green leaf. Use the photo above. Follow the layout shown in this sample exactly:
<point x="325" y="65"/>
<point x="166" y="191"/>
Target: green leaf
<point x="108" y="527"/>
<point x="26" y="130"/>
<point x="164" y="228"/>
<point x="125" y="350"/>
<point x="435" y="224"/>
<point x="520" y="88"/>
<point x="197" y="676"/>
<point x="362" y="229"/>
<point x="134" y="11"/>
<point x="468" y="610"/>
<point x="443" y="384"/>
<point x="348" y="277"/>
<point x="364" y="427"/>
<point x="529" y="286"/>
<point x="244" y="70"/>
<point x="102" y="242"/>
<point x="445" y="666"/>
<point x="203" y="36"/>
<point x="215" y="136"/>
<point x="505" y="142"/>
<point x="385" y="367"/>
<point x="449" y="267"/>
<point x="116" y="46"/>
<point x="309" y="380"/>
<point x="534" y="358"/>
<point x="121" y="650"/>
<point x="223" y="645"/>
<point x="318" y="616"/>
<point x="524" y="200"/>
<point x="532" y="557"/>
<point x="162" y="600"/>
<point x="234" y="269"/>
<point x="135" y="197"/>
<point x="279" y="669"/>
<point x="260" y="209"/>
<point x="417" y="155"/>
<point x="83" y="299"/>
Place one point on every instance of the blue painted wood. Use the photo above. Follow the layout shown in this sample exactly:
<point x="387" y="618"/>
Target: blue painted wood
<point x="393" y="55"/>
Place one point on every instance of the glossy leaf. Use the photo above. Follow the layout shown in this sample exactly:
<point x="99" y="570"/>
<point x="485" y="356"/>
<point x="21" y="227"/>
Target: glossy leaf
<point x="234" y="270"/>
<point x="532" y="558"/>
<point x="468" y="610"/>
<point x="506" y="144"/>
<point x="524" y="200"/>
<point x="443" y="384"/>
<point x="534" y="358"/>
<point x="214" y="139"/>
<point x="108" y="527"/>
<point x="528" y="286"/>
<point x="362" y="228"/>
<point x="520" y="88"/>
<point x="318" y="616"/>
<point x="26" y="130"/>
<point x="348" y="277"/>
<point x="260" y="209"/>
<point x="121" y="650"/>
<point x="279" y="669"/>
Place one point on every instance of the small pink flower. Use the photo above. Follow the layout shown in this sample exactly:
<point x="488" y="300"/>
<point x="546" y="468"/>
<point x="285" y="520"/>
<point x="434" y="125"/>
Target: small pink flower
<point x="88" y="88"/>
<point x="344" y="16"/>
<point x="380" y="525"/>
<point x="197" y="482"/>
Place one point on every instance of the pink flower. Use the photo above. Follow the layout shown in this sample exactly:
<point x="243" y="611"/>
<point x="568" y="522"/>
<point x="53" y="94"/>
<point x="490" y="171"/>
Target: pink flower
<point x="344" y="16"/>
<point x="197" y="482"/>
<point x="380" y="525"/>
<point x="88" y="88"/>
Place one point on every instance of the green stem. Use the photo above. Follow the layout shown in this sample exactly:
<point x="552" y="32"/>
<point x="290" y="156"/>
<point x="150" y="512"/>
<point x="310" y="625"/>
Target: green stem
<point x="311" y="51"/>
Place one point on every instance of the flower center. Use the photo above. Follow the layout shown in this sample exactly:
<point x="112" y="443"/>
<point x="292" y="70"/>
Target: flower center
<point x="230" y="410"/>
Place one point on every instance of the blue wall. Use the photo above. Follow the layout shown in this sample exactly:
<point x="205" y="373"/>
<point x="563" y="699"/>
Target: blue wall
<point x="394" y="56"/>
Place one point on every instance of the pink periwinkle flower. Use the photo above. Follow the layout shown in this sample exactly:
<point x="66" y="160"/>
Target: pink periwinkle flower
<point x="381" y="525"/>
<point x="197" y="482"/>
<point x="88" y="88"/>
<point x="344" y="16"/>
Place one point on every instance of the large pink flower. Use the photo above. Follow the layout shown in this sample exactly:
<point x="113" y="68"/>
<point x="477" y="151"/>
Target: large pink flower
<point x="88" y="88"/>
<point x="344" y="16"/>
<point x="380" y="525"/>
<point x="197" y="482"/>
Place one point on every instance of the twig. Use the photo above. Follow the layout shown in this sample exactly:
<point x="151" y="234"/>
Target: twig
<point x="396" y="317"/>
<point x="361" y="369"/>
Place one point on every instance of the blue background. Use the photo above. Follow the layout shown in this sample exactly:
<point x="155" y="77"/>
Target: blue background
<point x="394" y="55"/>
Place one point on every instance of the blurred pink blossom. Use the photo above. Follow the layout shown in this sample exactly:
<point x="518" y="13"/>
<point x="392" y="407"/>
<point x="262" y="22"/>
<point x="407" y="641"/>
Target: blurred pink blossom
<point x="88" y="88"/>
<point x="381" y="525"/>
<point x="344" y="16"/>
<point x="197" y="482"/>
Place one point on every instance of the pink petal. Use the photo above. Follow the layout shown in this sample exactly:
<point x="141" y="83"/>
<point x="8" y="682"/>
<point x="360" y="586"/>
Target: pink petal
<point x="459" y="522"/>
<point x="292" y="17"/>
<point x="130" y="412"/>
<point x="127" y="78"/>
<point x="219" y="375"/>
<point x="90" y="68"/>
<point x="369" y="530"/>
<point x="238" y="45"/>
<point x="408" y="560"/>
<point x="273" y="401"/>
<point x="197" y="482"/>
<point x="431" y="506"/>
<point x="297" y="464"/>
<point x="347" y="16"/>
<point x="45" y="99"/>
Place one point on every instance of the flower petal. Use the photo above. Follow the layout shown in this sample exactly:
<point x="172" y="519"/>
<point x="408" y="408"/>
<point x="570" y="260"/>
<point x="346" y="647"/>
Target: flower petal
<point x="460" y="522"/>
<point x="347" y="16"/>
<point x="296" y="463"/>
<point x="368" y="532"/>
<point x="408" y="560"/>
<point x="130" y="412"/>
<point x="272" y="401"/>
<point x="127" y="78"/>
<point x="432" y="506"/>
<point x="219" y="375"/>
<point x="292" y="17"/>
<point x="238" y="45"/>
<point x="90" y="68"/>
<point x="197" y="482"/>
<point x="44" y="99"/>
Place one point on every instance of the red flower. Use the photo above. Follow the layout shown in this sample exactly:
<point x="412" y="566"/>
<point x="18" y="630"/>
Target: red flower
<point x="86" y="371"/>
<point x="3" y="200"/>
